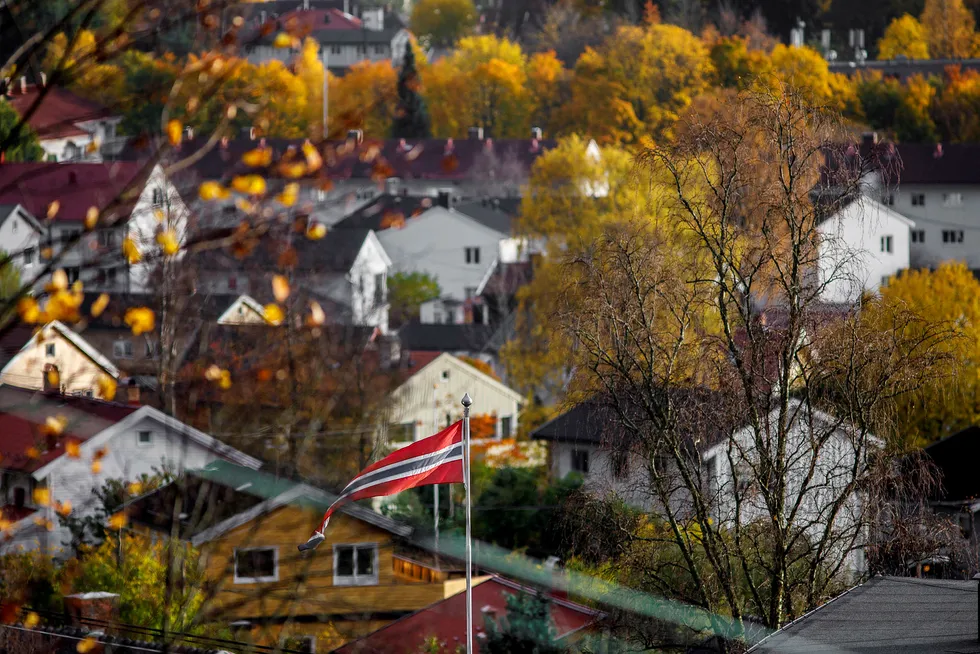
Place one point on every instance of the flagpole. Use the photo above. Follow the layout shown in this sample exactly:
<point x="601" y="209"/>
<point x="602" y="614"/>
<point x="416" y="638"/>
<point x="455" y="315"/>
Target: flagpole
<point x="466" y="402"/>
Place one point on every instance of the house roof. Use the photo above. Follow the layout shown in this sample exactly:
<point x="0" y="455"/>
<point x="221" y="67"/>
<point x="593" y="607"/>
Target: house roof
<point x="76" y="340"/>
<point x="496" y="213"/>
<point x="76" y="186"/>
<point x="8" y="210"/>
<point x="373" y="160"/>
<point x="887" y="614"/>
<point x="58" y="113"/>
<point x="437" y="337"/>
<point x="12" y="341"/>
<point x="446" y="620"/>
<point x="448" y="359"/>
<point x="23" y="413"/>
<point x="236" y="495"/>
<point x="334" y="253"/>
<point x="955" y="456"/>
<point x="386" y="211"/>
<point x="867" y="209"/>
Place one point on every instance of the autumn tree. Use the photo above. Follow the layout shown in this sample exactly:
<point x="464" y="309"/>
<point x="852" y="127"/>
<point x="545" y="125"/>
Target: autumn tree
<point x="637" y="83"/>
<point x="20" y="141"/>
<point x="905" y="36"/>
<point x="365" y="98"/>
<point x="946" y="297"/>
<point x="949" y="28"/>
<point x="687" y="320"/>
<point x="441" y="23"/>
<point x="411" y="119"/>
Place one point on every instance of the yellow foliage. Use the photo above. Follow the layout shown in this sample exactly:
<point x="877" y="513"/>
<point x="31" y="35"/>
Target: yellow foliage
<point x="140" y="320"/>
<point x="949" y="29"/>
<point x="363" y="99"/>
<point x="904" y="36"/>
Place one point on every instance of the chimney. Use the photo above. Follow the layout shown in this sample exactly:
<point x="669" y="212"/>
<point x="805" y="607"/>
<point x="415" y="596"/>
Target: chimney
<point x="72" y="177"/>
<point x="391" y="185"/>
<point x="475" y="133"/>
<point x="444" y="199"/>
<point x="306" y="5"/>
<point x="92" y="609"/>
<point x="132" y="393"/>
<point x="536" y="133"/>
<point x="44" y="79"/>
<point x="355" y="135"/>
<point x="23" y="84"/>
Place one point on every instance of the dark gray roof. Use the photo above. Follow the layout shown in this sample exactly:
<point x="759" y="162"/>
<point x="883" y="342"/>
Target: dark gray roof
<point x="334" y="253"/>
<point x="445" y="338"/>
<point x="887" y="614"/>
<point x="388" y="205"/>
<point x="495" y="213"/>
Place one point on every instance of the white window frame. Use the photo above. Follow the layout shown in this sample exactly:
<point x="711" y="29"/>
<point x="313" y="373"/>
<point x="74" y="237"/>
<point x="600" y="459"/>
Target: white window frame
<point x="954" y="199"/>
<point x="119" y="349"/>
<point x="139" y="438"/>
<point x="886" y="244"/>
<point x="257" y="580"/>
<point x="354" y="580"/>
<point x="50" y="349"/>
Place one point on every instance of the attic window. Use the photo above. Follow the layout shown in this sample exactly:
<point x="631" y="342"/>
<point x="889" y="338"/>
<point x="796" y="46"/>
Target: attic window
<point x="144" y="438"/>
<point x="355" y="565"/>
<point x="445" y="375"/>
<point x="49" y="349"/>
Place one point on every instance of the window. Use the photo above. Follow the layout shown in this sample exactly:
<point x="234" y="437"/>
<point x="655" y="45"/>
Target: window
<point x="506" y="426"/>
<point x="379" y="289"/>
<point x="918" y="236"/>
<point x="28" y="256"/>
<point x="362" y="49"/>
<point x="232" y="283"/>
<point x="52" y="158"/>
<point x="13" y="225"/>
<point x="952" y="236"/>
<point x="403" y="432"/>
<point x="68" y="235"/>
<point x="144" y="438"/>
<point x="106" y="238"/>
<point x="20" y="496"/>
<point x="918" y="199"/>
<point x="437" y="316"/>
<point x="449" y="420"/>
<point x="335" y="49"/>
<point x="886" y="244"/>
<point x="49" y="349"/>
<point x="256" y="564"/>
<point x="157" y="196"/>
<point x="111" y="275"/>
<point x="153" y="349"/>
<point x="888" y="200"/>
<point x="580" y="461"/>
<point x="884" y="280"/>
<point x="952" y="199"/>
<point x="445" y="375"/>
<point x="73" y="272"/>
<point x="472" y="255"/>
<point x="122" y="349"/>
<point x="355" y="565"/>
<point x="379" y="49"/>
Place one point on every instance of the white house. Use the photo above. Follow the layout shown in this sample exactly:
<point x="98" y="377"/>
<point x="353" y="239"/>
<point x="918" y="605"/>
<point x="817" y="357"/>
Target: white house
<point x="128" y="199"/>
<point x="69" y="127"/>
<point x="20" y="238"/>
<point x="860" y="248"/>
<point x="59" y="359"/>
<point x="346" y="272"/>
<point x="97" y="441"/>
<point x="243" y="311"/>
<point x="429" y="400"/>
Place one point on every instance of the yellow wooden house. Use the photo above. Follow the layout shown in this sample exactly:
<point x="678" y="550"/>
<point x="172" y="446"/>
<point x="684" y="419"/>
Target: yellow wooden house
<point x="247" y="526"/>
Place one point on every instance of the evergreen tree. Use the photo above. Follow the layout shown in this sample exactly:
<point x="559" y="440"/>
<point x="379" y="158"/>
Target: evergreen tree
<point x="20" y="147"/>
<point x="527" y="629"/>
<point x="411" y="115"/>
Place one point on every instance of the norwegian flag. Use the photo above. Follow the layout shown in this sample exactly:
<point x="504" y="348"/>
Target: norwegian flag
<point x="437" y="459"/>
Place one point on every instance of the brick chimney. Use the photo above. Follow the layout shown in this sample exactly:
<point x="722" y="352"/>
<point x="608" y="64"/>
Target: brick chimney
<point x="93" y="610"/>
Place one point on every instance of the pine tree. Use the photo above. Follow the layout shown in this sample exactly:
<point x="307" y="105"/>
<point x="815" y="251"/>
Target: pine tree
<point x="527" y="628"/>
<point x="411" y="115"/>
<point x="17" y="142"/>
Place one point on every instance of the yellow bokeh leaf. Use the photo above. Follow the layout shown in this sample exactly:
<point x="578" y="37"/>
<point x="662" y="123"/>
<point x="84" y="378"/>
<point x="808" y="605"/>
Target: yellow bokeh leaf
<point x="28" y="310"/>
<point x="167" y="239"/>
<point x="273" y="314"/>
<point x="96" y="467"/>
<point x="53" y="377"/>
<point x="280" y="288"/>
<point x="225" y="380"/>
<point x="258" y="158"/>
<point x="317" y="317"/>
<point x="213" y="373"/>
<point x="316" y="231"/>
<point x="73" y="449"/>
<point x="59" y="281"/>
<point x="283" y="40"/>
<point x="117" y="521"/>
<point x="140" y="320"/>
<point x="99" y="305"/>
<point x="130" y="251"/>
<point x="212" y="190"/>
<point x="86" y="645"/>
<point x="53" y="209"/>
<point x="107" y="387"/>
<point x="134" y="488"/>
<point x="32" y="620"/>
<point x="313" y="159"/>
<point x="174" y="132"/>
<point x="249" y="184"/>
<point x="91" y="218"/>
<point x="42" y="496"/>
<point x="55" y="425"/>
<point x="32" y="452"/>
<point x="289" y="195"/>
<point x="63" y="508"/>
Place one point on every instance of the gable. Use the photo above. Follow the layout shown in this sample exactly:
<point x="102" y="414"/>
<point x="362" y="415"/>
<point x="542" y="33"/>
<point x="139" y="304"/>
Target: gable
<point x="243" y="311"/>
<point x="372" y="254"/>
<point x="439" y="224"/>
<point x="462" y="377"/>
<point x="292" y="523"/>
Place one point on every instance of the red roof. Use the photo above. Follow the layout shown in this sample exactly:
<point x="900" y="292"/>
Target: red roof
<point x="317" y="20"/>
<point x="76" y="186"/>
<point x="12" y="513"/>
<point x="58" y="113"/>
<point x="23" y="414"/>
<point x="446" y="620"/>
<point x="418" y="359"/>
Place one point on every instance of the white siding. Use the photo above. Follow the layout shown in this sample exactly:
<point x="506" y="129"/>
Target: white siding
<point x="947" y="207"/>
<point x="436" y="242"/>
<point x="854" y="256"/>
<point x="17" y="234"/>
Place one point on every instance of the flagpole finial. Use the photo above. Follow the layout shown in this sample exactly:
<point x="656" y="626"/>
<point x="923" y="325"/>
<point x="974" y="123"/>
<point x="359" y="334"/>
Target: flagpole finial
<point x="466" y="401"/>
